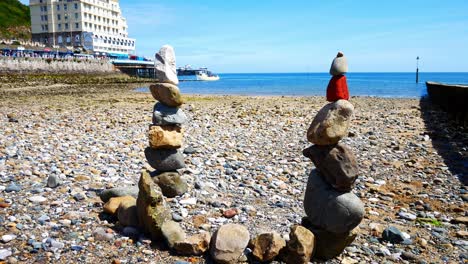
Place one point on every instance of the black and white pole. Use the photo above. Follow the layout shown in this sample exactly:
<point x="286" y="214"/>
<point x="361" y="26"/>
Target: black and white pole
<point x="417" y="69"/>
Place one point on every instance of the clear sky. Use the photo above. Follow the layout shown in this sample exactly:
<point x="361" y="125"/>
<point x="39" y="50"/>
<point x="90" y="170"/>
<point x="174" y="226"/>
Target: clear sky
<point x="304" y="35"/>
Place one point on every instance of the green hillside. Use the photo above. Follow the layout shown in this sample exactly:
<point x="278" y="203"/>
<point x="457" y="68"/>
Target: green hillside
<point x="15" y="20"/>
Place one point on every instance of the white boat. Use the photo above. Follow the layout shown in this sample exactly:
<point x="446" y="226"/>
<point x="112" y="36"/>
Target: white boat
<point x="206" y="76"/>
<point x="202" y="74"/>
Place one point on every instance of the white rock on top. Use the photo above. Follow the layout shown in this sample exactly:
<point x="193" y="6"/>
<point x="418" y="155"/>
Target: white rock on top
<point x="165" y="65"/>
<point x="339" y="65"/>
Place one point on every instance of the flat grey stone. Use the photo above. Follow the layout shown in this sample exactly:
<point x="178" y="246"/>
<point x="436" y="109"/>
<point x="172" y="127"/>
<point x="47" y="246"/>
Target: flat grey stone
<point x="164" y="159"/>
<point x="166" y="115"/>
<point x="119" y="192"/>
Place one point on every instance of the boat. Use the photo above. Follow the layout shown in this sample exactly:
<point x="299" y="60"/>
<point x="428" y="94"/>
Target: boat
<point x="202" y="74"/>
<point x="450" y="97"/>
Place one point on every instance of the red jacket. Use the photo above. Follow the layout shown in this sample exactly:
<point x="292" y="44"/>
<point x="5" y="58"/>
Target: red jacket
<point x="337" y="89"/>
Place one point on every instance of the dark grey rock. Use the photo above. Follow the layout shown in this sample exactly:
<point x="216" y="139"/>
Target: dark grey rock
<point x="53" y="181"/>
<point x="336" y="163"/>
<point x="118" y="192"/>
<point x="330" y="210"/>
<point x="166" y="115"/>
<point x="164" y="159"/>
<point x="189" y="150"/>
<point x="13" y="187"/>
<point x="393" y="235"/>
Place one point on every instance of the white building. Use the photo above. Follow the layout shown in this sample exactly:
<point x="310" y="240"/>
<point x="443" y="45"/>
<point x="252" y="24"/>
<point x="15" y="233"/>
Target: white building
<point x="96" y="25"/>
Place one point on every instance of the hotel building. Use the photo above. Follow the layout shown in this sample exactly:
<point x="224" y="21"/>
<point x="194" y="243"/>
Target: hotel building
<point x="95" y="25"/>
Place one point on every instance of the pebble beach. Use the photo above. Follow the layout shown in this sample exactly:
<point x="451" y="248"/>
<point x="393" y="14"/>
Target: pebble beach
<point x="244" y="164"/>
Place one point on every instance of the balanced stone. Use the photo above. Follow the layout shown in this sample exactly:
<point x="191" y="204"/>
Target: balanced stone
<point x="164" y="159"/>
<point x="171" y="184"/>
<point x="151" y="207"/>
<point x="266" y="246"/>
<point x="127" y="213"/>
<point x="165" y="65"/>
<point x="119" y="191"/>
<point x="331" y="123"/>
<point x="195" y="245"/>
<point x="167" y="93"/>
<point x="165" y="137"/>
<point x="165" y="115"/>
<point x="336" y="163"/>
<point x="339" y="65"/>
<point x="330" y="210"/>
<point x="113" y="204"/>
<point x="329" y="245"/>
<point x="300" y="246"/>
<point x="228" y="243"/>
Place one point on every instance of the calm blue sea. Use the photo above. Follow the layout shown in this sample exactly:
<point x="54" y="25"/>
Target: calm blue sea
<point x="299" y="84"/>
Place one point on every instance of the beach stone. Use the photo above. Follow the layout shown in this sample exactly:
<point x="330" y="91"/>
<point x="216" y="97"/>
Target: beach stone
<point x="330" y="245"/>
<point x="167" y="94"/>
<point x="37" y="199"/>
<point x="393" y="235"/>
<point x="330" y="210"/>
<point x="335" y="163"/>
<point x="165" y="115"/>
<point x="266" y="246"/>
<point x="171" y="184"/>
<point x="195" y="245"/>
<point x="101" y="234"/>
<point x="118" y="192"/>
<point x="331" y="123"/>
<point x="228" y="243"/>
<point x="113" y="204"/>
<point x="164" y="159"/>
<point x="53" y="181"/>
<point x="5" y="253"/>
<point x="172" y="232"/>
<point x="165" y="65"/>
<point x="165" y="137"/>
<point x="339" y="65"/>
<point x="7" y="238"/>
<point x="300" y="247"/>
<point x="127" y="212"/>
<point x="151" y="207"/>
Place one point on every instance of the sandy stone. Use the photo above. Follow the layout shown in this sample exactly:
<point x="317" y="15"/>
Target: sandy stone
<point x="331" y="123"/>
<point x="195" y="245"/>
<point x="266" y="246"/>
<point x="172" y="233"/>
<point x="127" y="213"/>
<point x="165" y="137"/>
<point x="300" y="247"/>
<point x="228" y="243"/>
<point x="113" y="204"/>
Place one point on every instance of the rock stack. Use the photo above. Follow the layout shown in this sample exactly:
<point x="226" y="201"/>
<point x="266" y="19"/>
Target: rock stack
<point x="165" y="132"/>
<point x="333" y="211"/>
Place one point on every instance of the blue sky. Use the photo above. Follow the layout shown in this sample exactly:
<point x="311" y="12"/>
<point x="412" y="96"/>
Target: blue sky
<point x="304" y="35"/>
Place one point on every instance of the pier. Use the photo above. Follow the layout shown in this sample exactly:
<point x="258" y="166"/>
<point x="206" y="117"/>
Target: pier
<point x="136" y="68"/>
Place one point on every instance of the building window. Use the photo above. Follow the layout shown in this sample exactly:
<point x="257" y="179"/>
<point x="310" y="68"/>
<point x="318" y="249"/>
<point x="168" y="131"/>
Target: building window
<point x="76" y="5"/>
<point x="77" y="26"/>
<point x="66" y="25"/>
<point x="76" y="15"/>
<point x="60" y="26"/>
<point x="65" y="6"/>
<point x="59" y="17"/>
<point x="45" y="18"/>
<point x="45" y="8"/>
<point x="43" y="28"/>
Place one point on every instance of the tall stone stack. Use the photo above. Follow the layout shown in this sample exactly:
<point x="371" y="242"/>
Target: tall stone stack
<point x="333" y="211"/>
<point x="165" y="132"/>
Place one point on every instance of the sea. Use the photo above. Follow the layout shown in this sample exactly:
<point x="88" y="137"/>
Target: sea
<point x="391" y="85"/>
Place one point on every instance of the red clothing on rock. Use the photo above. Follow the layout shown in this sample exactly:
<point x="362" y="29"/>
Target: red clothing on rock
<point x="337" y="89"/>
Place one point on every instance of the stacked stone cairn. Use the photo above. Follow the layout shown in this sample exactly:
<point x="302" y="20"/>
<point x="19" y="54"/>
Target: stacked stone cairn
<point x="333" y="211"/>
